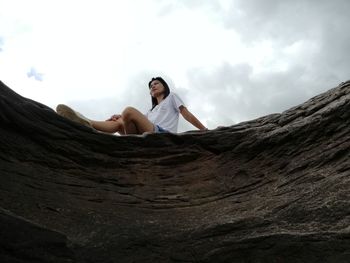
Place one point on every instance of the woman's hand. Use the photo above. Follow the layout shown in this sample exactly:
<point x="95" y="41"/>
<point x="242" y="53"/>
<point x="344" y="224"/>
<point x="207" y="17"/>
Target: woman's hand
<point x="114" y="117"/>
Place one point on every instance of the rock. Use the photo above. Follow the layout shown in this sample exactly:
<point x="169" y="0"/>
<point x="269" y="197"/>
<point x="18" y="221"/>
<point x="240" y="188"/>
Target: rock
<point x="274" y="189"/>
<point x="23" y="241"/>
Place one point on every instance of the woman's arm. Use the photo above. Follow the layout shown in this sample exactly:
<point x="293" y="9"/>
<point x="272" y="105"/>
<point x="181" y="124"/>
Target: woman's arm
<point x="191" y="118"/>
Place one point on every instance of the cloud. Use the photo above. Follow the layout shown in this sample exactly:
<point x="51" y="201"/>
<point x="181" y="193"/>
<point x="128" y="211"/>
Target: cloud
<point x="166" y="7"/>
<point x="296" y="50"/>
<point x="36" y="75"/>
<point x="306" y="53"/>
<point x="233" y="93"/>
<point x="229" y="60"/>
<point x="324" y="23"/>
<point x="288" y="20"/>
<point x="2" y="42"/>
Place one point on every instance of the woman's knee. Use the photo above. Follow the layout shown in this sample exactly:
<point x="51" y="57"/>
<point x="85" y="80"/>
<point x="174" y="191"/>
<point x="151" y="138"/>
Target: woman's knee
<point x="129" y="112"/>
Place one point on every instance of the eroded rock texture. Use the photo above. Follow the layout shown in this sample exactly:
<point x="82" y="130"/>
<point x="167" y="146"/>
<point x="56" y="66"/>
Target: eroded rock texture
<point x="274" y="189"/>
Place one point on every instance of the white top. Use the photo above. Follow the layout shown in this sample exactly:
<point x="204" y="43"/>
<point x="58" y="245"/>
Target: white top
<point x="166" y="113"/>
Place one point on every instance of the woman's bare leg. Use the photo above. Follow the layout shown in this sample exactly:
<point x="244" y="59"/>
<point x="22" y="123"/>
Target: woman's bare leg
<point x="109" y="126"/>
<point x="135" y="122"/>
<point x="130" y="128"/>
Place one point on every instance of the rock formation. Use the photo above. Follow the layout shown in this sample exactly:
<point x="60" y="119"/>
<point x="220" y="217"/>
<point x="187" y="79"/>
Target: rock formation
<point x="274" y="189"/>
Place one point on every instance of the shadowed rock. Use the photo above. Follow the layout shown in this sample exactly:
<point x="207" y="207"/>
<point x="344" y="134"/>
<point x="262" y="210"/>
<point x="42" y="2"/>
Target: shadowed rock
<point x="274" y="189"/>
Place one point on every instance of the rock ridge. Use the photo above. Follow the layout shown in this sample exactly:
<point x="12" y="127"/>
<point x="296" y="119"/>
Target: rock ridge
<point x="273" y="189"/>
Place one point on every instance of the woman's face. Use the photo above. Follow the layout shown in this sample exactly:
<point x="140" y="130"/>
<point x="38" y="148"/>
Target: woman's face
<point x="156" y="88"/>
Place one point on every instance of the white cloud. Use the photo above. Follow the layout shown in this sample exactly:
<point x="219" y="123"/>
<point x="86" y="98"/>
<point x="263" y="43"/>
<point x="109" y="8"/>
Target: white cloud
<point x="1" y="43"/>
<point x="35" y="74"/>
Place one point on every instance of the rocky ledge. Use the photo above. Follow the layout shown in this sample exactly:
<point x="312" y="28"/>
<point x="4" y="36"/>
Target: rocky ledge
<point x="274" y="189"/>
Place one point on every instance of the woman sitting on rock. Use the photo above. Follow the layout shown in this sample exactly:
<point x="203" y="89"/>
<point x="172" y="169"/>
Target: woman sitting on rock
<point x="163" y="117"/>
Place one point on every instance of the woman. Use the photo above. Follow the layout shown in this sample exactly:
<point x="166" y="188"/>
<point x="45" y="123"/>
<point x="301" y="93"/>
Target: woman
<point x="162" y="117"/>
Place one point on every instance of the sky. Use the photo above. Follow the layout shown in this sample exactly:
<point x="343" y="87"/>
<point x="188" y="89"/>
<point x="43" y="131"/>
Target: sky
<point x="229" y="60"/>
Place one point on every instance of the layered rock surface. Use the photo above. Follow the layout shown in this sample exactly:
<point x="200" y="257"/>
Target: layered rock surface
<point x="274" y="189"/>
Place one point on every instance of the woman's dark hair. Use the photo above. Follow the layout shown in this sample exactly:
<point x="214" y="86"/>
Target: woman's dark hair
<point x="166" y="90"/>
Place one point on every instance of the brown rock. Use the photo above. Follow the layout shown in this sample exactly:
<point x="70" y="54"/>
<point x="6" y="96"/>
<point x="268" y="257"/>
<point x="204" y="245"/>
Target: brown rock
<point x="274" y="189"/>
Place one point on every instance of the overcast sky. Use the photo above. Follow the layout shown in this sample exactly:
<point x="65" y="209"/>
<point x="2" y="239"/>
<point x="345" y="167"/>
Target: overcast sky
<point x="229" y="60"/>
